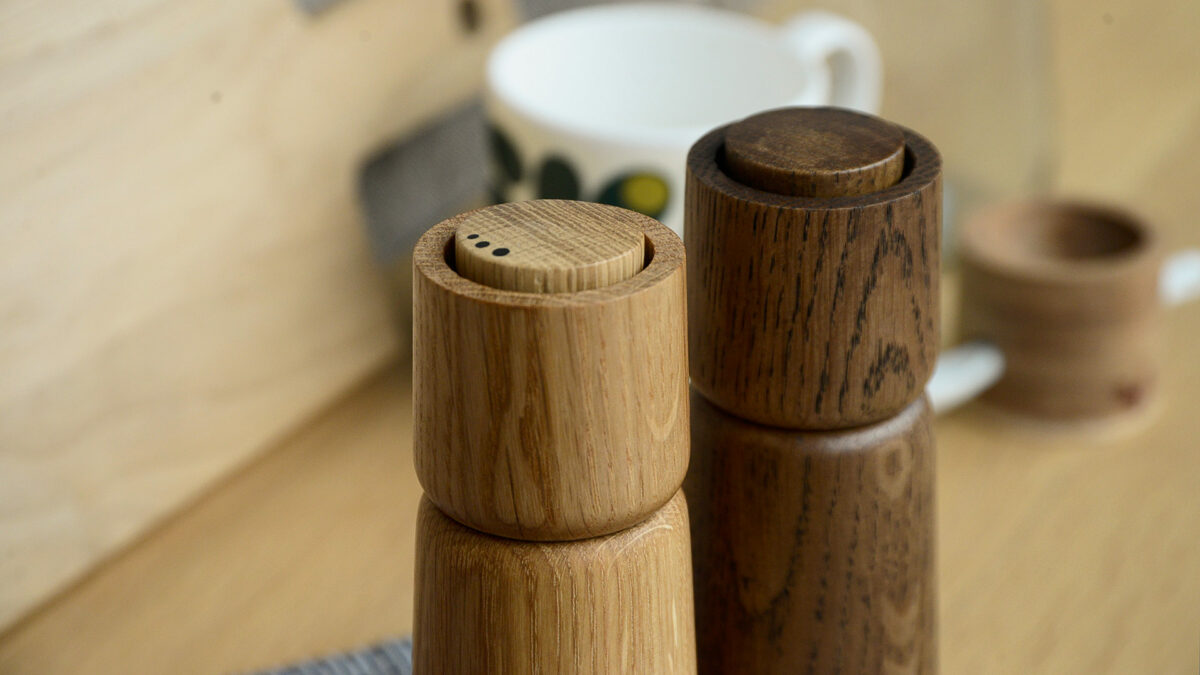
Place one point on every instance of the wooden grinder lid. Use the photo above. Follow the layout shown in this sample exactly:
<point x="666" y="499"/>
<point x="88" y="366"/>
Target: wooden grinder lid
<point x="549" y="247"/>
<point x="815" y="152"/>
<point x="812" y="236"/>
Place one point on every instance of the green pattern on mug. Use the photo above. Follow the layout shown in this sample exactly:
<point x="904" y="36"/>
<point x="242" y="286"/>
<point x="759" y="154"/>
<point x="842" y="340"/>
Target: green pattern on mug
<point x="639" y="191"/>
<point x="557" y="179"/>
<point x="506" y="162"/>
<point x="642" y="191"/>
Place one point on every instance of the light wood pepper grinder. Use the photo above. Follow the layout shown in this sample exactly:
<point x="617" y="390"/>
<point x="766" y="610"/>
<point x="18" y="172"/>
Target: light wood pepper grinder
<point x="812" y="238"/>
<point x="551" y="438"/>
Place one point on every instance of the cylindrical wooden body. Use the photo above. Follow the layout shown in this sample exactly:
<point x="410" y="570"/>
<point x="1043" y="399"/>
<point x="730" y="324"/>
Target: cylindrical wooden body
<point x="813" y="328"/>
<point x="550" y="416"/>
<point x="814" y="551"/>
<point x="812" y="313"/>
<point x="1069" y="292"/>
<point x="621" y="603"/>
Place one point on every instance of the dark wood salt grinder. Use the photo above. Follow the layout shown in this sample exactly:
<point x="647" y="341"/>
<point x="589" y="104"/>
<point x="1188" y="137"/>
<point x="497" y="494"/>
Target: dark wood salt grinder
<point x="813" y="248"/>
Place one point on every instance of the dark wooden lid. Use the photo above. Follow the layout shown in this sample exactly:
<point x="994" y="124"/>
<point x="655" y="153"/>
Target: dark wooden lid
<point x="815" y="152"/>
<point x="812" y="312"/>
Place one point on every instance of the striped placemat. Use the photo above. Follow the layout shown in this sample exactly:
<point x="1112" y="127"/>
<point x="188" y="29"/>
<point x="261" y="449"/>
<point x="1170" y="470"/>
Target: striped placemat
<point x="393" y="657"/>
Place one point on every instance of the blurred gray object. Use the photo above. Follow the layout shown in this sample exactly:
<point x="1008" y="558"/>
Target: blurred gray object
<point x="316" y="6"/>
<point x="428" y="177"/>
<point x="389" y="658"/>
<point x="440" y="169"/>
<point x="530" y="9"/>
<point x="534" y="8"/>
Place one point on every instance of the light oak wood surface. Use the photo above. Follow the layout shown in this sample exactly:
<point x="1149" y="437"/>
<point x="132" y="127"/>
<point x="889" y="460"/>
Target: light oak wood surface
<point x="548" y="247"/>
<point x="620" y="603"/>
<point x="550" y="416"/>
<point x="306" y="551"/>
<point x="550" y="409"/>
<point x="183" y="271"/>
<point x="550" y="375"/>
<point x="1059" y="551"/>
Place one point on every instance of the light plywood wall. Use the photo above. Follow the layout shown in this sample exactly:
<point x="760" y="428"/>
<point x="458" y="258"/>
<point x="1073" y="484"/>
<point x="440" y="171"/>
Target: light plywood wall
<point x="183" y="275"/>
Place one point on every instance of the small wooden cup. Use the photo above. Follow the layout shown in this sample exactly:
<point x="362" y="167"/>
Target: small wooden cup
<point x="550" y="416"/>
<point x="1069" y="293"/>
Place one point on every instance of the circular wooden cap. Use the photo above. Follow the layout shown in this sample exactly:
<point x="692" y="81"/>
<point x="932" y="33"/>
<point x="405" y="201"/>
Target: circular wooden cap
<point x="549" y="246"/>
<point x="815" y="152"/>
<point x="812" y="312"/>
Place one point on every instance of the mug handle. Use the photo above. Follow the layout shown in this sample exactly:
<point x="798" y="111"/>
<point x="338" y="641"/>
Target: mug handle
<point x="966" y="371"/>
<point x="962" y="373"/>
<point x="1179" y="280"/>
<point x="847" y="50"/>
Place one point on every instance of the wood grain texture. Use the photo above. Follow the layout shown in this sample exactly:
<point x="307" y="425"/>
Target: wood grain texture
<point x="183" y="277"/>
<point x="1058" y="552"/>
<point x="1069" y="292"/>
<point x="550" y="416"/>
<point x="615" y="604"/>
<point x="305" y="552"/>
<point x="815" y="152"/>
<point x="812" y="313"/>
<point x="813" y="551"/>
<point x="548" y="247"/>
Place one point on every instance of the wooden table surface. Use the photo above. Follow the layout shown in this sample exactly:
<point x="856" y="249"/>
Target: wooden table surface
<point x="1061" y="551"/>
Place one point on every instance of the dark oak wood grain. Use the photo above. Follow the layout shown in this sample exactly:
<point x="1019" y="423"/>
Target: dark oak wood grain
<point x="813" y="551"/>
<point x="815" y="152"/>
<point x="812" y="313"/>
<point x="813" y="327"/>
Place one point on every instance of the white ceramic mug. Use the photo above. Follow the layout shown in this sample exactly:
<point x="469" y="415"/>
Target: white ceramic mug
<point x="603" y="103"/>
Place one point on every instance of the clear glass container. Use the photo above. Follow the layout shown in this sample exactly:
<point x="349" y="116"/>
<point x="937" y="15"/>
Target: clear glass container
<point x="973" y="77"/>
